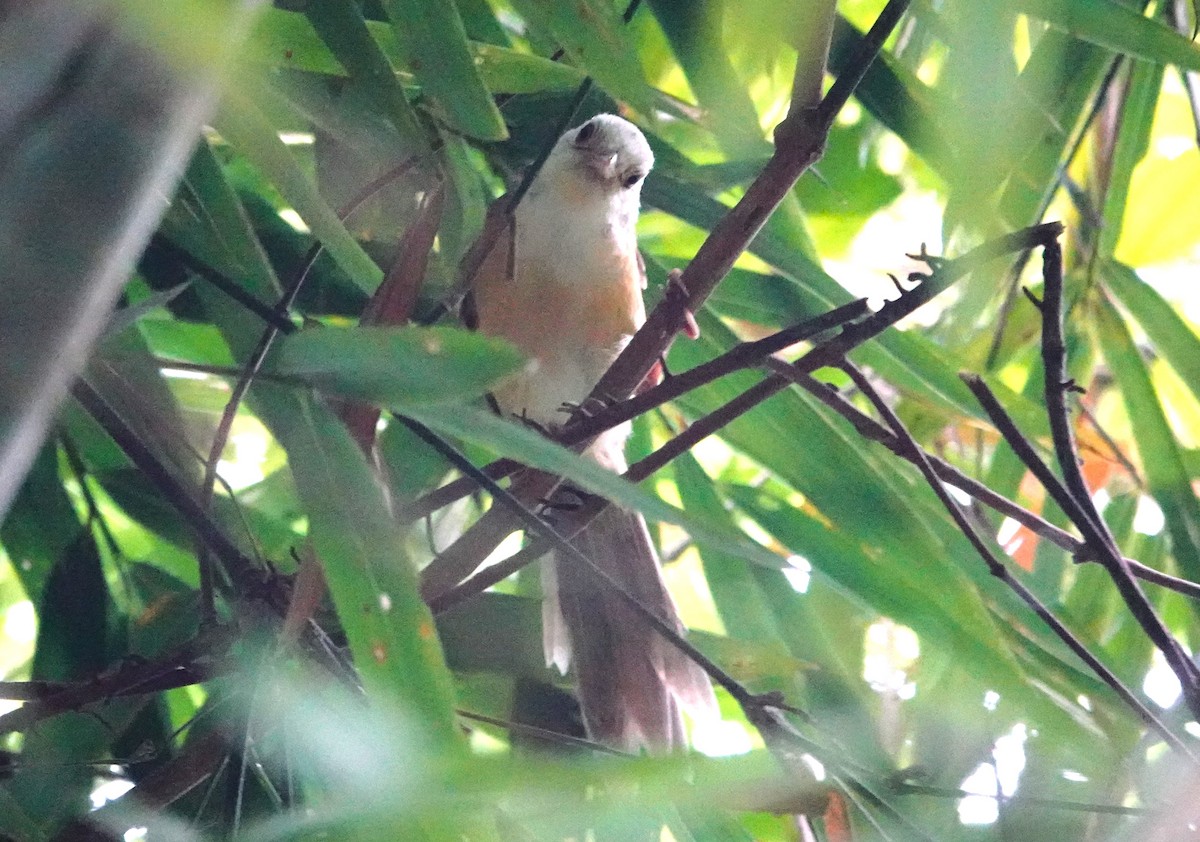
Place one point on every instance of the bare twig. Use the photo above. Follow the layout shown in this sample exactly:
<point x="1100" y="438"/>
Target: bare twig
<point x="871" y="429"/>
<point x="239" y="567"/>
<point x="1083" y="511"/>
<point x="998" y="569"/>
<point x="1102" y="552"/>
<point x="583" y="427"/>
<point x="743" y="355"/>
<point x="464" y="556"/>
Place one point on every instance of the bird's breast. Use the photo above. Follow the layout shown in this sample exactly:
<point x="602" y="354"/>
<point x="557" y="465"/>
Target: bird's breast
<point x="574" y="300"/>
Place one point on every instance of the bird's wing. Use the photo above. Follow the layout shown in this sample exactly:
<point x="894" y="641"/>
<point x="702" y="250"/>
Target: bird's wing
<point x="486" y="263"/>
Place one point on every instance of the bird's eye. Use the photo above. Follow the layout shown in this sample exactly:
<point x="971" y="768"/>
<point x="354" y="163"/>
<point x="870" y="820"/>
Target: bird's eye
<point x="585" y="132"/>
<point x="631" y="179"/>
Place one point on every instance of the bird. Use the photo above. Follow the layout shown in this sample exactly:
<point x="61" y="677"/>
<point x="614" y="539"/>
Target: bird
<point x="564" y="285"/>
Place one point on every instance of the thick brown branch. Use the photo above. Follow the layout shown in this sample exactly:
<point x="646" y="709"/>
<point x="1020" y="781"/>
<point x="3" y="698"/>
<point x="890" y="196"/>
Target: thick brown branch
<point x="463" y="557"/>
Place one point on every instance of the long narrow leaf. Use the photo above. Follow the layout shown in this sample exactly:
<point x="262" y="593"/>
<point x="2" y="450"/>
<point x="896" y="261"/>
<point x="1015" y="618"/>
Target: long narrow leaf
<point x="434" y="36"/>
<point x="534" y="449"/>
<point x="1161" y="453"/>
<point x="373" y="583"/>
<point x="1117" y="27"/>
<point x="1171" y="335"/>
<point x="243" y="125"/>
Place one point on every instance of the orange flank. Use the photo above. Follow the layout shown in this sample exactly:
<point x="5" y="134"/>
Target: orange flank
<point x="545" y="316"/>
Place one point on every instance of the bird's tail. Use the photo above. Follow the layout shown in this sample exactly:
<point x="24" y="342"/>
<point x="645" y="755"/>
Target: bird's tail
<point x="631" y="681"/>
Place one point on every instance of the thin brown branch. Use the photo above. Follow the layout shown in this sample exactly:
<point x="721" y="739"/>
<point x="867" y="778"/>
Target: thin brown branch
<point x="871" y="429"/>
<point x="1083" y="513"/>
<point x="741" y="356"/>
<point x="997" y="568"/>
<point x="584" y="426"/>
<point x="188" y="665"/>
<point x="463" y="557"/>
<point x="178" y="254"/>
<point x="1097" y="547"/>
<point x="240" y="568"/>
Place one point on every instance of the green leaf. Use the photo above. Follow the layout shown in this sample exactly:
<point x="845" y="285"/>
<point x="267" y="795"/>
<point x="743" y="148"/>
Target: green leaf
<point x="15" y="820"/>
<point x="947" y="615"/>
<point x="731" y="581"/>
<point x="208" y="220"/>
<point x="1171" y="335"/>
<point x="342" y="27"/>
<point x="1035" y="148"/>
<point x="288" y="39"/>
<point x="126" y="317"/>
<point x="1161" y="454"/>
<point x="1116" y="27"/>
<point x="243" y="125"/>
<point x="513" y="72"/>
<point x="53" y="776"/>
<point x="396" y="366"/>
<point x="893" y="95"/>
<point x="435" y="39"/>
<point x="593" y="35"/>
<point x="373" y="584"/>
<point x="532" y="448"/>
<point x="695" y="33"/>
<point x="495" y="632"/>
<point x="41" y="524"/>
<point x="1133" y="140"/>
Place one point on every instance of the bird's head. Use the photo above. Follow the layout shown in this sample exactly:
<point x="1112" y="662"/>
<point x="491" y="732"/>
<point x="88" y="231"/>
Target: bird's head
<point x="606" y="150"/>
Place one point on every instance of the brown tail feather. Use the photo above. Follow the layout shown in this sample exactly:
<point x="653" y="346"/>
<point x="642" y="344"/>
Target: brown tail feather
<point x="631" y="682"/>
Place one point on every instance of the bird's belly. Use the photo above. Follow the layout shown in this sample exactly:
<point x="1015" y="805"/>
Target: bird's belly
<point x="572" y="304"/>
<point x="557" y="377"/>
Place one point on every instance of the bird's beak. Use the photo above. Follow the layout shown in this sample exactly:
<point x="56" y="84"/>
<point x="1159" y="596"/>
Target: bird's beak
<point x="603" y="165"/>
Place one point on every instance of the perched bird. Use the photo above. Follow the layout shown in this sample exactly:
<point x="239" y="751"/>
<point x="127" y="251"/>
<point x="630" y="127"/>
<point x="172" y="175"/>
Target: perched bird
<point x="565" y="286"/>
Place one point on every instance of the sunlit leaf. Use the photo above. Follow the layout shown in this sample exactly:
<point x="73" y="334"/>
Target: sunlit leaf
<point x="1117" y="27"/>
<point x="397" y="366"/>
<point x="593" y="36"/>
<point x="441" y="61"/>
<point x="1158" y="448"/>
